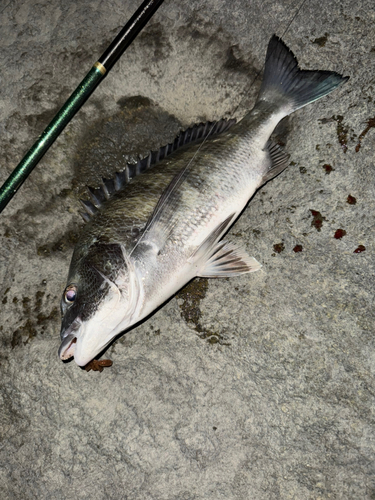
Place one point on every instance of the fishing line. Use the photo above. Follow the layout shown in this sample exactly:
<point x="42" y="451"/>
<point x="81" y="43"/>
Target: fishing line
<point x="293" y="18"/>
<point x="4" y="8"/>
<point x="284" y="33"/>
<point x="256" y="77"/>
<point x="287" y="28"/>
<point x="181" y="174"/>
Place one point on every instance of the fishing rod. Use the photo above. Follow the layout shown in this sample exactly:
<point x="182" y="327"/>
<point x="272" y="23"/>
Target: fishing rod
<point x="87" y="86"/>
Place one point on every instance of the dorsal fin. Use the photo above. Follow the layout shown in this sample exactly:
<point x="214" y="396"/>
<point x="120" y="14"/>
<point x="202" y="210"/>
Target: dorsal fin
<point x="110" y="186"/>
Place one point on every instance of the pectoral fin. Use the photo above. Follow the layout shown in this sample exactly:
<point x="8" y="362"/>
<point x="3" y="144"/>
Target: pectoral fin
<point x="204" y="251"/>
<point x="221" y="259"/>
<point x="228" y="260"/>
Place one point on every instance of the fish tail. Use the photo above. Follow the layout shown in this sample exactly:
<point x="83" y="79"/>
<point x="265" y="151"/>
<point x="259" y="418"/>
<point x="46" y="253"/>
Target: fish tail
<point x="287" y="87"/>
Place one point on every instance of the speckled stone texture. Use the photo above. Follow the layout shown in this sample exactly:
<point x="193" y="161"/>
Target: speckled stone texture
<point x="259" y="387"/>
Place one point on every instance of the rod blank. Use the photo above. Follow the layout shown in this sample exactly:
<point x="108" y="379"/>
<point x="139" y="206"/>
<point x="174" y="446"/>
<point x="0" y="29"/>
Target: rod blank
<point x="77" y="99"/>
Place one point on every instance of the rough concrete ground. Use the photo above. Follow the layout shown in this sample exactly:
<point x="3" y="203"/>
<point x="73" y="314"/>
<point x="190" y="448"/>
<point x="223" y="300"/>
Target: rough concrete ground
<point x="257" y="387"/>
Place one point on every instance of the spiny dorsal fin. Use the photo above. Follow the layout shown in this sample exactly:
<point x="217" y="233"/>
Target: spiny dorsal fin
<point x="89" y="207"/>
<point x="110" y="186"/>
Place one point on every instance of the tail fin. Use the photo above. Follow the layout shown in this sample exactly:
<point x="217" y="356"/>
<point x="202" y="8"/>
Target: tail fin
<point x="287" y="86"/>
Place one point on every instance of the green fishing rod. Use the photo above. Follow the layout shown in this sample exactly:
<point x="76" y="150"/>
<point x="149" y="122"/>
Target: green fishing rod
<point x="77" y="99"/>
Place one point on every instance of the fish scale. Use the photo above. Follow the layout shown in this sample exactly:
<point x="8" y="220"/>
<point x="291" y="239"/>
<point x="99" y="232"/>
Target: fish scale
<point x="163" y="227"/>
<point x="212" y="189"/>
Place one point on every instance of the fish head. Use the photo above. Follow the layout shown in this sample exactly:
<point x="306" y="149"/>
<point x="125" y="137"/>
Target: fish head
<point x="99" y="301"/>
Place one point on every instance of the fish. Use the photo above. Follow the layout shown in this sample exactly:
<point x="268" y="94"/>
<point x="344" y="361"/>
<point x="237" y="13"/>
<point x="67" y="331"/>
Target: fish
<point x="160" y="223"/>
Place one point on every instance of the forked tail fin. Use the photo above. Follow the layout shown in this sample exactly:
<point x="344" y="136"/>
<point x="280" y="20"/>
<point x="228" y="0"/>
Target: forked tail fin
<point x="288" y="87"/>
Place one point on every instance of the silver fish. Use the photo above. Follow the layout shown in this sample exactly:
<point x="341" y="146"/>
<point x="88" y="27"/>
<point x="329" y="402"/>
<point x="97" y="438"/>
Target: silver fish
<point x="147" y="240"/>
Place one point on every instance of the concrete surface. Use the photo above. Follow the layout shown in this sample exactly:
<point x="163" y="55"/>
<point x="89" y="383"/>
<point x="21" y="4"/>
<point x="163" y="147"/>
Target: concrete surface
<point x="257" y="387"/>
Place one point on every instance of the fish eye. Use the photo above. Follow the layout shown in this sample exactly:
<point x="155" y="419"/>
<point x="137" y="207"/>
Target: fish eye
<point x="70" y="294"/>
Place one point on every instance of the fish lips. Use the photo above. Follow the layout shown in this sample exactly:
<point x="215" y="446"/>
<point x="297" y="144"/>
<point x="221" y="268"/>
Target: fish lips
<point x="66" y="349"/>
<point x="69" y="339"/>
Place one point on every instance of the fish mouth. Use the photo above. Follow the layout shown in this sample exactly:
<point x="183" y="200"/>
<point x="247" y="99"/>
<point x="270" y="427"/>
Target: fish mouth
<point x="77" y="343"/>
<point x="84" y="340"/>
<point x="69" y="340"/>
<point x="66" y="349"/>
<point x="71" y="347"/>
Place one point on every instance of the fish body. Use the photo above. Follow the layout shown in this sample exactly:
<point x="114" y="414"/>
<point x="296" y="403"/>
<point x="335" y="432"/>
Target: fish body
<point x="165" y="227"/>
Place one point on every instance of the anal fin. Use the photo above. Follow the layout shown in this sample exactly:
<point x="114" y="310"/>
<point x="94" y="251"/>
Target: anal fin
<point x="226" y="259"/>
<point x="279" y="161"/>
